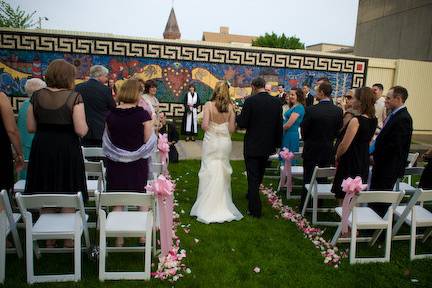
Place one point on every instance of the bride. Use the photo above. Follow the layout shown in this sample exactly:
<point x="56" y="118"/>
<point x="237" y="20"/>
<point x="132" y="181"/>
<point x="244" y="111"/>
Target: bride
<point x="214" y="201"/>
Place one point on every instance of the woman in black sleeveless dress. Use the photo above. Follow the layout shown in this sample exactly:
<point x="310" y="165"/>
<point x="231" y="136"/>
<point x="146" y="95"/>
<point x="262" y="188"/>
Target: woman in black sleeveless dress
<point x="57" y="117"/>
<point x="352" y="155"/>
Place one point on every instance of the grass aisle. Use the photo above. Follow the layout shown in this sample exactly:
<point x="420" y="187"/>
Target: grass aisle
<point x="226" y="254"/>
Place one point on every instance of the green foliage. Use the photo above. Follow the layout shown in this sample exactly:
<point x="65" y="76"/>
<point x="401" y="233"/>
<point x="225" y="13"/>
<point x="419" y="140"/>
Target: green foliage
<point x="275" y="41"/>
<point x="15" y="17"/>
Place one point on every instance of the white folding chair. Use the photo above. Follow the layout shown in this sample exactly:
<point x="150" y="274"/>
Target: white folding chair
<point x="54" y="226"/>
<point x="318" y="191"/>
<point x="155" y="166"/>
<point x="415" y="216"/>
<point x="8" y="223"/>
<point x="125" y="224"/>
<point x="364" y="218"/>
<point x="296" y="172"/>
<point x="409" y="172"/>
<point x="92" y="152"/>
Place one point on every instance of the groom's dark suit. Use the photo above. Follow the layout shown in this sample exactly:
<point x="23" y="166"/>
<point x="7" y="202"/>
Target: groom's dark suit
<point x="262" y="117"/>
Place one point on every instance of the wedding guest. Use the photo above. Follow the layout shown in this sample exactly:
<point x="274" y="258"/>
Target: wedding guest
<point x="292" y="120"/>
<point x="173" y="137"/>
<point x="321" y="125"/>
<point x="149" y="96"/>
<point x="191" y="103"/>
<point x="349" y="111"/>
<point x="8" y="135"/>
<point x="426" y="177"/>
<point x="352" y="154"/>
<point x="112" y="87"/>
<point x="261" y="116"/>
<point x="268" y="88"/>
<point x="308" y="95"/>
<point x="380" y="109"/>
<point x="98" y="101"/>
<point x="392" y="144"/>
<point x="128" y="127"/>
<point x="31" y="86"/>
<point x="56" y="115"/>
<point x="281" y="93"/>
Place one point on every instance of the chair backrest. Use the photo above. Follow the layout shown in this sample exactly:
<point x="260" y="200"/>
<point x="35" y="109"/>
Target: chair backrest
<point x="37" y="201"/>
<point x="412" y="158"/>
<point x="426" y="195"/>
<point x="390" y="197"/>
<point x="323" y="172"/>
<point x="110" y="199"/>
<point x="92" y="152"/>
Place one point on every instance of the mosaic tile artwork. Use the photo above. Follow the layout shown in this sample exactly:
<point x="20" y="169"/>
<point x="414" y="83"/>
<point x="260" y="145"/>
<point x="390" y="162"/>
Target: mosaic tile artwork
<point x="172" y="65"/>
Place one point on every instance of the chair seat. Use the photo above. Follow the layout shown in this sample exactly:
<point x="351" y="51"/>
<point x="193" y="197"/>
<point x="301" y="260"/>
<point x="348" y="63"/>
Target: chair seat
<point x="423" y="216"/>
<point x="127" y="221"/>
<point x="55" y="223"/>
<point x="366" y="218"/>
<point x="273" y="157"/>
<point x="295" y="170"/>
<point x="20" y="186"/>
<point x="405" y="186"/>
<point x="323" y="190"/>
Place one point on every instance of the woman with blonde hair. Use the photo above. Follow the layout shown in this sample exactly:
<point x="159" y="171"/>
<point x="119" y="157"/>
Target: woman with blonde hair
<point x="128" y="142"/>
<point x="214" y="200"/>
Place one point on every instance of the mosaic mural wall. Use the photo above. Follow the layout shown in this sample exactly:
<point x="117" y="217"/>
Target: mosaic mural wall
<point x="173" y="65"/>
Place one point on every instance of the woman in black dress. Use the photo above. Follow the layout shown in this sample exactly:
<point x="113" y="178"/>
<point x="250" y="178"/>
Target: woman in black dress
<point x="8" y="134"/>
<point x="352" y="154"/>
<point x="56" y="116"/>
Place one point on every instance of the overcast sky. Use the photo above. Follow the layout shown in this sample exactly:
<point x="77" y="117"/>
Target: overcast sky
<point x="313" y="21"/>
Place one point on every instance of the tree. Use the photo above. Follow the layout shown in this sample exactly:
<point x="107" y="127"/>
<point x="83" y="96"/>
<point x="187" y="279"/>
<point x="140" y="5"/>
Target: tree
<point x="15" y="17"/>
<point x="275" y="41"/>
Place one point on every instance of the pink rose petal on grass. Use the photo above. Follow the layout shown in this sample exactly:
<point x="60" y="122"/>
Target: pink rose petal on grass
<point x="257" y="270"/>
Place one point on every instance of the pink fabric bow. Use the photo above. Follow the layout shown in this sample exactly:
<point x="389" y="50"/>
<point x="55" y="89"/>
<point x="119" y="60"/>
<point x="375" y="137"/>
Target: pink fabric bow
<point x="286" y="178"/>
<point x="164" y="188"/>
<point x="351" y="187"/>
<point x="164" y="149"/>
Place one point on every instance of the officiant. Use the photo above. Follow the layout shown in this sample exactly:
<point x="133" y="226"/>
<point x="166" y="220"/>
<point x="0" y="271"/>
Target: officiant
<point x="190" y="124"/>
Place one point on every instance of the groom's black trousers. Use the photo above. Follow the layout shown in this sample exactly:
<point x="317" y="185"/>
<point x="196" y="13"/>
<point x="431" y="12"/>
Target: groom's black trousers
<point x="255" y="167"/>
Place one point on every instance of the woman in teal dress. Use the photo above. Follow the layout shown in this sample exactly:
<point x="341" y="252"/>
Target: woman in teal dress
<point x="292" y="120"/>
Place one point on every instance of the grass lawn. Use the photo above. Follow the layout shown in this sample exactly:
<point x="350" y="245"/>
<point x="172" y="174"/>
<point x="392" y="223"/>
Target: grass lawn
<point x="226" y="254"/>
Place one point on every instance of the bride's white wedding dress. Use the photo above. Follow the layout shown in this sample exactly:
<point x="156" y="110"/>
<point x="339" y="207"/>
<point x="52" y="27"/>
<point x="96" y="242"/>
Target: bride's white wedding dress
<point x="214" y="200"/>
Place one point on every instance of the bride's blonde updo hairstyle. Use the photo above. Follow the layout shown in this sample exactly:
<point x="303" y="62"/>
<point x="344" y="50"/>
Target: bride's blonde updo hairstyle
<point x="221" y="96"/>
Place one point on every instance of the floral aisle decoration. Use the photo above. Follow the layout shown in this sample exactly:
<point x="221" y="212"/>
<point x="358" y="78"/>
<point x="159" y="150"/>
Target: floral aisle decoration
<point x="286" y="177"/>
<point x="332" y="255"/>
<point x="170" y="266"/>
<point x="351" y="187"/>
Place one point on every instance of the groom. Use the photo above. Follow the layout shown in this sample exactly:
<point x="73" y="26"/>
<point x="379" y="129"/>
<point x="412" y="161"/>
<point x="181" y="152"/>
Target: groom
<point x="261" y="116"/>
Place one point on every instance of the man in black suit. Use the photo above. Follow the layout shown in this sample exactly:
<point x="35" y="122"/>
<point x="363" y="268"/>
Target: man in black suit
<point x="98" y="101"/>
<point x="281" y="93"/>
<point x="261" y="116"/>
<point x="319" y="129"/>
<point x="393" y="142"/>
<point x="308" y="95"/>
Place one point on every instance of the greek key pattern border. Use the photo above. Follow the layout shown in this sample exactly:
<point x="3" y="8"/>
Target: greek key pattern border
<point x="182" y="52"/>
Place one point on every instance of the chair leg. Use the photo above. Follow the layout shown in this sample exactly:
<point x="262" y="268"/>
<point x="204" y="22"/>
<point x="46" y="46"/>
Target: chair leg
<point x="147" y="261"/>
<point x="426" y="235"/>
<point x="29" y="256"/>
<point x="306" y="201"/>
<point x="16" y="240"/>
<point x="388" y="242"/>
<point x="337" y="234"/>
<point x="102" y="246"/>
<point x="77" y="256"/>
<point x="314" y="210"/>
<point x="2" y="247"/>
<point x="353" y="244"/>
<point x="413" y="238"/>
<point x="375" y="237"/>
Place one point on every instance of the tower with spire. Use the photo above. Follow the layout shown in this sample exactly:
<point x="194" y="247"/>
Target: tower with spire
<point x="172" y="30"/>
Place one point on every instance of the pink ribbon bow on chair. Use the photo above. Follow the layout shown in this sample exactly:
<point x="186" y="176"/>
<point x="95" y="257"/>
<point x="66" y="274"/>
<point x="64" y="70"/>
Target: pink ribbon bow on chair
<point x="164" y="149"/>
<point x="164" y="188"/>
<point x="286" y="180"/>
<point x="351" y="187"/>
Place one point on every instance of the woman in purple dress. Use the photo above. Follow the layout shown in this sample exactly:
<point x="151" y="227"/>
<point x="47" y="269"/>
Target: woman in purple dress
<point x="128" y="142"/>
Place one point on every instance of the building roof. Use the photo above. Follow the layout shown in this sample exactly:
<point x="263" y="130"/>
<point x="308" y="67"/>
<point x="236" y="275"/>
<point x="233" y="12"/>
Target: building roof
<point x="172" y="30"/>
<point x="224" y="37"/>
